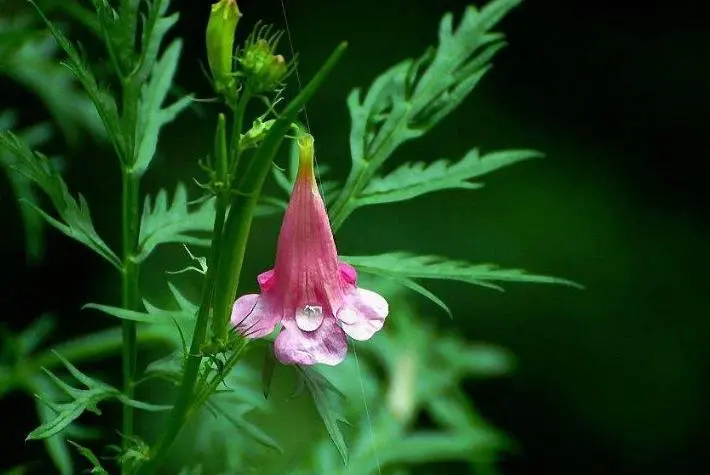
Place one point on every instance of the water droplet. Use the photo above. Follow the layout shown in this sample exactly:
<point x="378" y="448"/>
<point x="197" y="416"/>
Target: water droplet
<point x="309" y="317"/>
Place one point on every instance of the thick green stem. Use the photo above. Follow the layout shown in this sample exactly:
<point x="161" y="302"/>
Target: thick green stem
<point x="130" y="296"/>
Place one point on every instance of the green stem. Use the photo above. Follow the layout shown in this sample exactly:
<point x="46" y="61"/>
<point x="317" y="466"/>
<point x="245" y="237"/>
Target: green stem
<point x="237" y="125"/>
<point x="130" y="296"/>
<point x="226" y="159"/>
<point x="343" y="206"/>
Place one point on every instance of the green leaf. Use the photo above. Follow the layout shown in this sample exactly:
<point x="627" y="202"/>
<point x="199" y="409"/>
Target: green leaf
<point x="415" y="179"/>
<point x="151" y="114"/>
<point x="200" y="260"/>
<point x="103" y="101"/>
<point x="267" y="372"/>
<point x="168" y="368"/>
<point x="35" y="334"/>
<point x="75" y="219"/>
<point x="269" y="206"/>
<point x="56" y="445"/>
<point x="28" y="56"/>
<point x="65" y="415"/>
<point x="173" y="223"/>
<point x="186" y="308"/>
<point x="421" y="290"/>
<point x="403" y="267"/>
<point x="411" y="97"/>
<point x="155" y="26"/>
<point x="476" y="359"/>
<point x="319" y="386"/>
<point x="452" y="410"/>
<point x="89" y="455"/>
<point x="403" y="264"/>
<point x="249" y="429"/>
<point x="81" y="400"/>
<point x="22" y="187"/>
<point x="157" y="316"/>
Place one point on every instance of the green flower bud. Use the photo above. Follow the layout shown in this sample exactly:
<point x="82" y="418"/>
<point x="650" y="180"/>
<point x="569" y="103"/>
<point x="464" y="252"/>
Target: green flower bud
<point x="220" y="43"/>
<point x="263" y="69"/>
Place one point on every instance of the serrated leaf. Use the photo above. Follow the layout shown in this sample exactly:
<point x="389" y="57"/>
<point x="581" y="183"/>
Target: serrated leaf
<point x="318" y="390"/>
<point x="403" y="264"/>
<point x="22" y="187"/>
<point x="411" y="97"/>
<point x="75" y="216"/>
<point x="155" y="26"/>
<point x="56" y="445"/>
<point x="151" y="114"/>
<point x="105" y="104"/>
<point x="66" y="414"/>
<point x="96" y="466"/>
<point x="175" y="222"/>
<point x="416" y="179"/>
<point x="81" y="400"/>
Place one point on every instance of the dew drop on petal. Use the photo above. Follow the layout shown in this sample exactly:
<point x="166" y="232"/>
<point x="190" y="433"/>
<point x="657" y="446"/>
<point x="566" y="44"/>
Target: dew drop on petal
<point x="309" y="317"/>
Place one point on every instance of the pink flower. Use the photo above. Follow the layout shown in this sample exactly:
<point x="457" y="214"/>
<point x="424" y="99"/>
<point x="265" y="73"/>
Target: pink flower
<point x="310" y="291"/>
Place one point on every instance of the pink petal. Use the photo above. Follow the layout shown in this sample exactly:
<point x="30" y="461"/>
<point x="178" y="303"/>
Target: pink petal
<point x="363" y="314"/>
<point x="327" y="345"/>
<point x="266" y="280"/>
<point x="347" y="272"/>
<point x="253" y="317"/>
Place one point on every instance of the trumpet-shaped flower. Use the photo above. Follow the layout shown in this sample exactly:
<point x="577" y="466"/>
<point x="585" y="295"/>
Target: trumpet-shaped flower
<point x="309" y="291"/>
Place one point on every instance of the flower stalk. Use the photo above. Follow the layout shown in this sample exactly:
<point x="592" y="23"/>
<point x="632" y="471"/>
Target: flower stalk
<point x="130" y="295"/>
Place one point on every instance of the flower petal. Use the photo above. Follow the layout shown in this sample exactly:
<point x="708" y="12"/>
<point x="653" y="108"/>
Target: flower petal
<point x="252" y="316"/>
<point x="266" y="280"/>
<point x="347" y="272"/>
<point x="327" y="345"/>
<point x="363" y="314"/>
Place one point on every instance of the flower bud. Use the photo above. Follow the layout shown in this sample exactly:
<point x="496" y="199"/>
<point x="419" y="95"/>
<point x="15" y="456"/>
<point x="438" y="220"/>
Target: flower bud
<point x="264" y="69"/>
<point x="220" y="43"/>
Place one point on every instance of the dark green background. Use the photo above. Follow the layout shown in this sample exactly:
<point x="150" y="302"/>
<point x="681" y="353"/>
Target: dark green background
<point x="610" y="380"/>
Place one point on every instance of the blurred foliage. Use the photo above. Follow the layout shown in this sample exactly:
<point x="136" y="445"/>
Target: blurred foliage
<point x="383" y="388"/>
